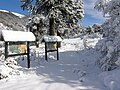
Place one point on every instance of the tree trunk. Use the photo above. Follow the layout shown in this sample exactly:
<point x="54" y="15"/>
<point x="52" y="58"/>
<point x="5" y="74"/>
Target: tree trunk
<point x="51" y="26"/>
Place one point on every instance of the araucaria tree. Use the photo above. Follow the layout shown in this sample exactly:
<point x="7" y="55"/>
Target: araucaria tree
<point x="59" y="13"/>
<point x="110" y="45"/>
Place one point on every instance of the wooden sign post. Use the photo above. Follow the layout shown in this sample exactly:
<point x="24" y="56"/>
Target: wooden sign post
<point x="16" y="38"/>
<point x="17" y="54"/>
<point x="51" y="45"/>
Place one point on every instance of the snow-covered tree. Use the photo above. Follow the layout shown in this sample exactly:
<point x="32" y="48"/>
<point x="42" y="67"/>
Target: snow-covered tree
<point x="100" y="5"/>
<point x="110" y="45"/>
<point x="60" y="13"/>
<point x="97" y="28"/>
<point x="36" y="25"/>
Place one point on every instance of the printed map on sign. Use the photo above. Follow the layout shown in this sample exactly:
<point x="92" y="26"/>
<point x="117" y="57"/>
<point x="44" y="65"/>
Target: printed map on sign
<point x="20" y="48"/>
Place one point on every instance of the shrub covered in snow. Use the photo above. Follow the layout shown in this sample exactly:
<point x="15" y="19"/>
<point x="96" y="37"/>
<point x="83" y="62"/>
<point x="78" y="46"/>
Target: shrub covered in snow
<point x="110" y="45"/>
<point x="8" y="67"/>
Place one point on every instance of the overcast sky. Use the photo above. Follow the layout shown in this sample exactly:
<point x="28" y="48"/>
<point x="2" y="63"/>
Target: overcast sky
<point x="91" y="16"/>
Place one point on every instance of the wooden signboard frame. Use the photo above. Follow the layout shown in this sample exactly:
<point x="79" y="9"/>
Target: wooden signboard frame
<point x="52" y="43"/>
<point x="14" y="38"/>
<point x="46" y="50"/>
<point x="12" y="55"/>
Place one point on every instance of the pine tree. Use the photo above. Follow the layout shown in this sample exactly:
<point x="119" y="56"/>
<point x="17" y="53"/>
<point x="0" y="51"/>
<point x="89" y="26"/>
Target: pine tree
<point x="60" y="13"/>
<point x="110" y="45"/>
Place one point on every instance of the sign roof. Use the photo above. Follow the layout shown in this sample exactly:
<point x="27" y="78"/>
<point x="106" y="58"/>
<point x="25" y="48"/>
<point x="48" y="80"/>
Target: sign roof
<point x="9" y="35"/>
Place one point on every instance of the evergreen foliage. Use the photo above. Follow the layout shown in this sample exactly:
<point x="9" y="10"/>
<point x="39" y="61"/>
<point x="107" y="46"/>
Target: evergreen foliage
<point x="110" y="45"/>
<point x="63" y="13"/>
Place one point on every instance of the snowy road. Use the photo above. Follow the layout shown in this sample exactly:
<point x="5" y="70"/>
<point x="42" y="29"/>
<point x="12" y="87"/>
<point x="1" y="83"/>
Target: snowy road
<point x="75" y="70"/>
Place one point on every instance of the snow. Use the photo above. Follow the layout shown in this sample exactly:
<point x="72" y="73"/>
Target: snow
<point x="110" y="45"/>
<point x="52" y="38"/>
<point x="4" y="27"/>
<point x="76" y="70"/>
<point x="19" y="15"/>
<point x="118" y="62"/>
<point x="9" y="35"/>
<point x="4" y="11"/>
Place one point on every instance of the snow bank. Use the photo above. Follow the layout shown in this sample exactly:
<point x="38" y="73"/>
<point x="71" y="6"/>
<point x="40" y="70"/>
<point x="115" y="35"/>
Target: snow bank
<point x="75" y="70"/>
<point x="8" y="68"/>
<point x="52" y="38"/>
<point x="111" y="79"/>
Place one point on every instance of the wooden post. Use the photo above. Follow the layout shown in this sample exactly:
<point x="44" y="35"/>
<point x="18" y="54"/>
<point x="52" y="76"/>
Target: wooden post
<point x="46" y="51"/>
<point x="28" y="55"/>
<point x="57" y="52"/>
<point x="6" y="50"/>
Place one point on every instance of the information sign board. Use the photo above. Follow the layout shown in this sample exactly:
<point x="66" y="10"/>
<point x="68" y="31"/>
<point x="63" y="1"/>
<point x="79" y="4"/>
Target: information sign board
<point x="17" y="48"/>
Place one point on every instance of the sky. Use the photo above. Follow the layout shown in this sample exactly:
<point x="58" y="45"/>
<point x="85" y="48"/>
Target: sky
<point x="91" y="16"/>
<point x="12" y="5"/>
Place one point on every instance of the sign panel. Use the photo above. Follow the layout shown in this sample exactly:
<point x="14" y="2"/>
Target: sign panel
<point x="22" y="48"/>
<point x="13" y="49"/>
<point x="51" y="46"/>
<point x="17" y="48"/>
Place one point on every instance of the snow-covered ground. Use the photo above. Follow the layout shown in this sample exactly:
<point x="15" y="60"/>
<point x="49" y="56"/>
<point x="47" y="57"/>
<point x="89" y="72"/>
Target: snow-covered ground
<point x="76" y="70"/>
